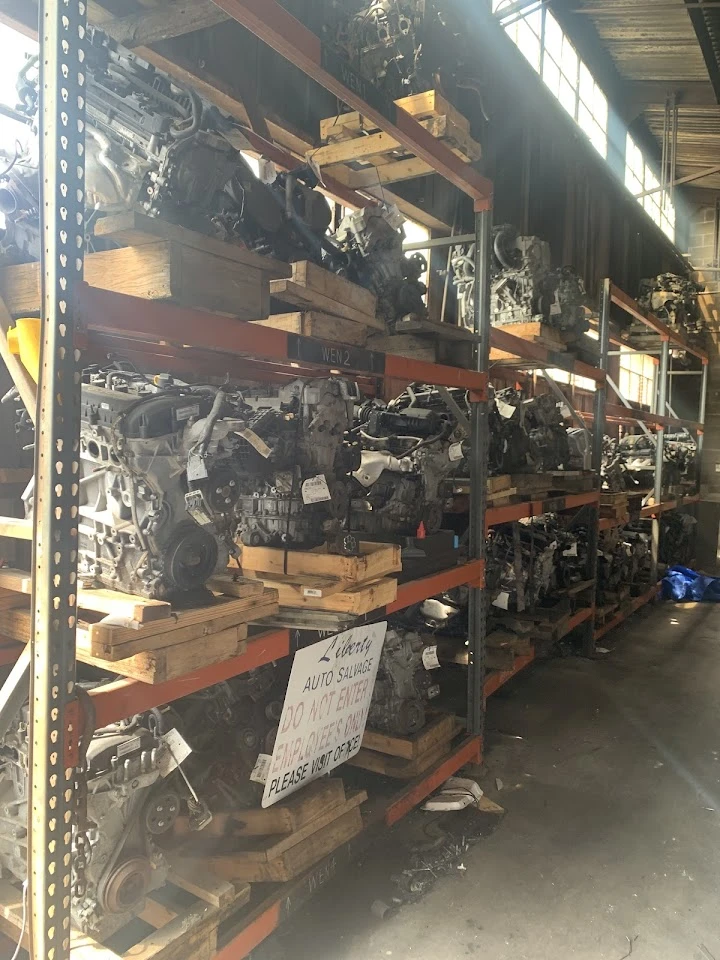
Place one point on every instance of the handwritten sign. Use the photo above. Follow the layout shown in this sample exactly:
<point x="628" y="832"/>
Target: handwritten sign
<point x="325" y="709"/>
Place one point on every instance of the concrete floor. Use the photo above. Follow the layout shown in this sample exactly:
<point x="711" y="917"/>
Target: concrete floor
<point x="611" y="840"/>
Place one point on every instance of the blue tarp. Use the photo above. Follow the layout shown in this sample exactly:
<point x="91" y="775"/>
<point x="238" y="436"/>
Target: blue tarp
<point x="680" y="583"/>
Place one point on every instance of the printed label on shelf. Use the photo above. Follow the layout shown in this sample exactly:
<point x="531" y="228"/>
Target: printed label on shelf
<point x="325" y="710"/>
<point x="261" y="769"/>
<point x="456" y="451"/>
<point x="430" y="658"/>
<point x="196" y="469"/>
<point x="176" y="750"/>
<point x="502" y="600"/>
<point x="315" y="490"/>
<point x="571" y="551"/>
<point x="433" y="691"/>
<point x="504" y="409"/>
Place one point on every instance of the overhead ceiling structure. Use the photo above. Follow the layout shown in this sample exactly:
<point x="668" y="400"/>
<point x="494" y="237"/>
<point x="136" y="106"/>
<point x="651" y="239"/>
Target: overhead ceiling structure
<point x="663" y="48"/>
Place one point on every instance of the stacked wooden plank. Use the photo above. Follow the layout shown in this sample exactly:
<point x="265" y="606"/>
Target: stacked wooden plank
<point x="357" y="154"/>
<point x="314" y="302"/>
<point x="280" y="842"/>
<point x="157" y="260"/>
<point x="407" y="757"/>
<point x="535" y="332"/>
<point x="315" y="580"/>
<point x="614" y="506"/>
<point x="146" y="639"/>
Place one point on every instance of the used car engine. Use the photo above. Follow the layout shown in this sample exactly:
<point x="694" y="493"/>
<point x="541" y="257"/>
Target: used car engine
<point x="524" y="285"/>
<point x="403" y="686"/>
<point x="674" y="300"/>
<point x="540" y="419"/>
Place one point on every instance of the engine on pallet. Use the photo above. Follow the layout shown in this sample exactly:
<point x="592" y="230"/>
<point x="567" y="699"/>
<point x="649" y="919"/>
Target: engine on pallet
<point x="298" y="454"/>
<point x="154" y="146"/>
<point x="674" y="300"/>
<point x="125" y="804"/>
<point x="624" y="557"/>
<point x="639" y="449"/>
<point x="524" y="287"/>
<point x="541" y="420"/>
<point x="403" y="686"/>
<point x="371" y="240"/>
<point x="160" y="466"/>
<point x="409" y="446"/>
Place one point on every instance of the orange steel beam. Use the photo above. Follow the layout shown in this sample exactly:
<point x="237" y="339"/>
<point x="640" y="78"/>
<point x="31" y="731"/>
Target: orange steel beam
<point x="626" y="302"/>
<point x="276" y="27"/>
<point x="634" y="605"/>
<point x="616" y="411"/>
<point x="500" y="339"/>
<point x="123" y="698"/>
<point x="534" y="508"/>
<point x="469" y="751"/>
<point x="498" y="678"/>
<point x="472" y="574"/>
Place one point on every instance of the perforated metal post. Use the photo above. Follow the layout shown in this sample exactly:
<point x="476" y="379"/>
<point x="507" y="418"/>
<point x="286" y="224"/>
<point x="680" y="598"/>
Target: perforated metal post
<point x="477" y="609"/>
<point x="659" y="451"/>
<point x="52" y="680"/>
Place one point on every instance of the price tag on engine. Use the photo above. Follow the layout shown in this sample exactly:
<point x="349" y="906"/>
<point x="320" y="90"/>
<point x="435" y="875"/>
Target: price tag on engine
<point x="261" y="769"/>
<point x="315" y="490"/>
<point x="196" y="469"/>
<point x="571" y="551"/>
<point x="455" y="452"/>
<point x="195" y="506"/>
<point x="430" y="657"/>
<point x="502" y="600"/>
<point x="505" y="409"/>
<point x="176" y="750"/>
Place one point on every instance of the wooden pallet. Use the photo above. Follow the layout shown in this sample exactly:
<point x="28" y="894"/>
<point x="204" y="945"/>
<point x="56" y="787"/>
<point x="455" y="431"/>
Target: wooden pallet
<point x="282" y="857"/>
<point x="396" y="767"/>
<point x="360" y="156"/>
<point x="373" y="561"/>
<point x="313" y="288"/>
<point x="439" y="730"/>
<point x="323" y="326"/>
<point x="534" y="332"/>
<point x="167" y="928"/>
<point x="325" y="593"/>
<point x="163" y="262"/>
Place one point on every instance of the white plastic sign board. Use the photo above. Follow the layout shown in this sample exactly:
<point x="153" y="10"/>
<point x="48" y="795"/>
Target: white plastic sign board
<point x="325" y="710"/>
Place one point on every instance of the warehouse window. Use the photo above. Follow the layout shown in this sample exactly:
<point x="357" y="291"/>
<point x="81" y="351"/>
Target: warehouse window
<point x="546" y="47"/>
<point x="639" y="178"/>
<point x="572" y="379"/>
<point x="637" y="377"/>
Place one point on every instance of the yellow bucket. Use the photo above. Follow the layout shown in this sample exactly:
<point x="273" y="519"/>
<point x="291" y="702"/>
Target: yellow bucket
<point x="24" y="342"/>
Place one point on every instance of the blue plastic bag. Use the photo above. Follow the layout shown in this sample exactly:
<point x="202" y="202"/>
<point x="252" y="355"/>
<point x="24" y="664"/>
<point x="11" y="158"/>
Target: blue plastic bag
<point x="681" y="583"/>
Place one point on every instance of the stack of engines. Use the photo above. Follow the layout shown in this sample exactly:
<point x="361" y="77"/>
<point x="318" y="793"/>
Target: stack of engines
<point x="638" y="451"/>
<point x="525" y="287"/>
<point x="154" y="146"/>
<point x="130" y="793"/>
<point x="527" y="435"/>
<point x="409" y="446"/>
<point x="404" y="685"/>
<point x="172" y="473"/>
<point x="614" y="471"/>
<point x="674" y="300"/>
<point x="530" y="560"/>
<point x="623" y="558"/>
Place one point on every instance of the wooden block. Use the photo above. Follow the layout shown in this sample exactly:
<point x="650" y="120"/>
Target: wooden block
<point x="500" y="658"/>
<point x="16" y="528"/>
<point x="494" y="484"/>
<point x="288" y="291"/>
<point x="310" y="275"/>
<point x="394" y="172"/>
<point x="355" y="598"/>
<point x="294" y="590"/>
<point x="293" y="814"/>
<point x="404" y="345"/>
<point x="13" y="475"/>
<point x="297" y="858"/>
<point x="189" y="875"/>
<point x="156" y="271"/>
<point x="234" y="585"/>
<point x="374" y="560"/>
<point x="432" y="104"/>
<point x="159" y="666"/>
<point x="436" y="731"/>
<point x="158" y="641"/>
<point x="395" y="766"/>
<point x="134" y="229"/>
<point x="313" y="323"/>
<point x="538" y="332"/>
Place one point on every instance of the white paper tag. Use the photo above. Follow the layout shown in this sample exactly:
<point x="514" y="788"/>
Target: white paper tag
<point x="185" y="413"/>
<point x="196" y="469"/>
<point x="502" y="600"/>
<point x="555" y="308"/>
<point x="430" y="657"/>
<point x="315" y="167"/>
<point x="177" y="750"/>
<point x="195" y="506"/>
<point x="571" y="551"/>
<point x="455" y="452"/>
<point x="267" y="171"/>
<point x="315" y="490"/>
<point x="260" y="770"/>
<point x="255" y="441"/>
<point x="311" y="592"/>
<point x="433" y="691"/>
<point x="504" y="409"/>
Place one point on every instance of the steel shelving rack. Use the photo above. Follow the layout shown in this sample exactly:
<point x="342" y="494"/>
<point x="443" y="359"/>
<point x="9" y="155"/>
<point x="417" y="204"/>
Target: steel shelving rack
<point x="79" y="318"/>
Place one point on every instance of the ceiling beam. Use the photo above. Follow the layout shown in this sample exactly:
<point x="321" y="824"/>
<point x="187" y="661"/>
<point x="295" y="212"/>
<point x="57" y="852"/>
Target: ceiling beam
<point x="653" y="93"/>
<point x="688" y="178"/>
<point x="706" y="39"/>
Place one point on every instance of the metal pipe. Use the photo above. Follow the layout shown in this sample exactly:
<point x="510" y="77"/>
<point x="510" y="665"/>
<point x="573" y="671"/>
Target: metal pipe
<point x="477" y="609"/>
<point x="659" y="451"/>
<point x="701" y="419"/>
<point x="601" y="389"/>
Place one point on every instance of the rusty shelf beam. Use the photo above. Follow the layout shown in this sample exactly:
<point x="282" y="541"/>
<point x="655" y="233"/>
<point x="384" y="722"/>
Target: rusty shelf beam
<point x="626" y="303"/>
